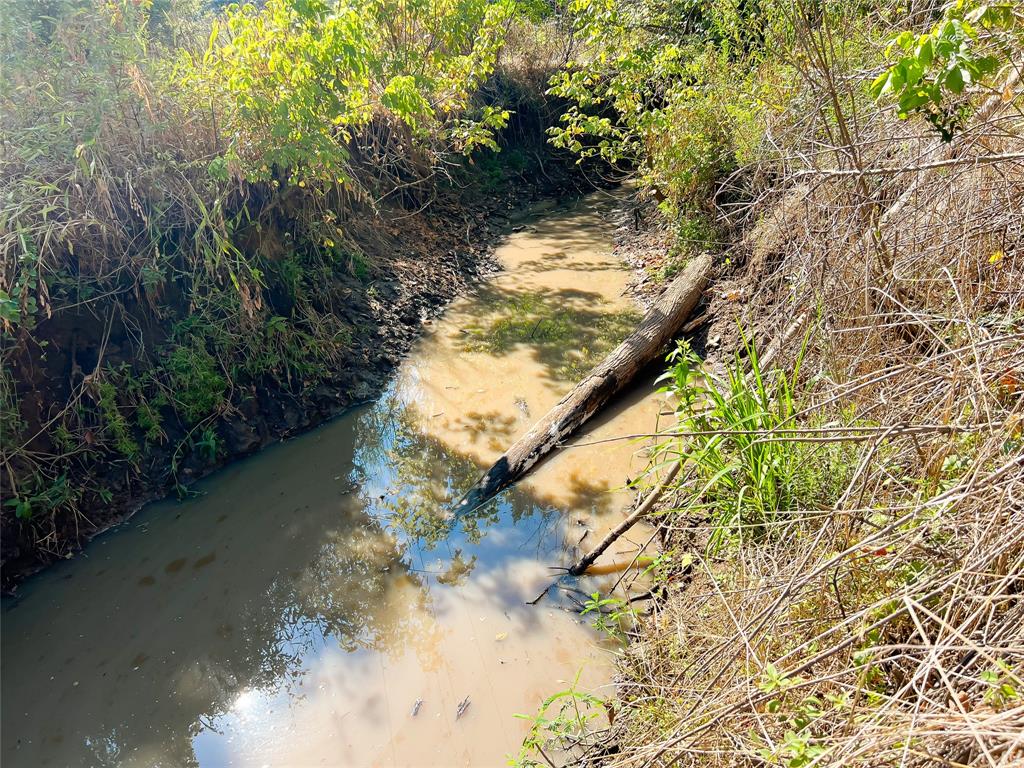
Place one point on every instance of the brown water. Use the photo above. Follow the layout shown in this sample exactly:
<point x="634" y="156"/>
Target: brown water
<point x="295" y="613"/>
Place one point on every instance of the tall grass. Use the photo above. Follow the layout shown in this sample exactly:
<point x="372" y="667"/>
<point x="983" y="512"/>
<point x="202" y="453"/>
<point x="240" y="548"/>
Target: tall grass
<point x="731" y="432"/>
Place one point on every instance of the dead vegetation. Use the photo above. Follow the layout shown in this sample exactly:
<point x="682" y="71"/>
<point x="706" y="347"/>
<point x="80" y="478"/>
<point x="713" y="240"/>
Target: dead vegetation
<point x="842" y="581"/>
<point x="884" y="624"/>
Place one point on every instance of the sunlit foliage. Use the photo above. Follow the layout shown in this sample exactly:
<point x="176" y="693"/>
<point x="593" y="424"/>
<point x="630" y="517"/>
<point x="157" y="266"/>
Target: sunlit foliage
<point x="295" y="79"/>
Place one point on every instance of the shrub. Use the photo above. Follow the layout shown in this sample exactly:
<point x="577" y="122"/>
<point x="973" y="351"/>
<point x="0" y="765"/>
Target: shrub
<point x="197" y="387"/>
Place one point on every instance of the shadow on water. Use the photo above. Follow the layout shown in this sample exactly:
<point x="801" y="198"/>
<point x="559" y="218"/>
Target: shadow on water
<point x="334" y="541"/>
<point x="567" y="330"/>
<point x="317" y="590"/>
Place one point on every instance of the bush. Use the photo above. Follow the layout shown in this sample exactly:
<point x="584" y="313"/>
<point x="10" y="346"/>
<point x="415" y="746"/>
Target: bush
<point x="295" y="82"/>
<point x="197" y="386"/>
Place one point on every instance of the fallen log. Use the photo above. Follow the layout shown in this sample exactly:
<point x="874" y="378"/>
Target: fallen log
<point x="607" y="379"/>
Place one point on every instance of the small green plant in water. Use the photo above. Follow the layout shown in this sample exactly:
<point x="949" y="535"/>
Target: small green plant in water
<point x="571" y="341"/>
<point x="563" y="730"/>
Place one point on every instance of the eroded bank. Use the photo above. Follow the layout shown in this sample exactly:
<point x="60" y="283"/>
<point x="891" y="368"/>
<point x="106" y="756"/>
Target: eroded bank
<point x="316" y="605"/>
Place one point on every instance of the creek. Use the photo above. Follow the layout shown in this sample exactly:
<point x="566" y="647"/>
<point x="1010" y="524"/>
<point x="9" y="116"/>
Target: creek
<point x="315" y="604"/>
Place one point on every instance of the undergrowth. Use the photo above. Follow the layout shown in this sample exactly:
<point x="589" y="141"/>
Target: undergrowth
<point x="734" y="436"/>
<point x="846" y="520"/>
<point x="205" y="214"/>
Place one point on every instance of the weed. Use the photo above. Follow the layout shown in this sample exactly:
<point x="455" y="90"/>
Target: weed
<point x="42" y="497"/>
<point x="563" y="730"/>
<point x="197" y="388"/>
<point x="1003" y="685"/>
<point x="515" y="160"/>
<point x="115" y="424"/>
<point x="208" y="445"/>
<point x="695" y="233"/>
<point x="746" y="471"/>
<point x="358" y="265"/>
<point x="608" y="613"/>
<point x="150" y="420"/>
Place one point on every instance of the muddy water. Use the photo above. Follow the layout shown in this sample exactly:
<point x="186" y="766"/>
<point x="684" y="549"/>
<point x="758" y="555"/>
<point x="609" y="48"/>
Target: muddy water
<point x="315" y="606"/>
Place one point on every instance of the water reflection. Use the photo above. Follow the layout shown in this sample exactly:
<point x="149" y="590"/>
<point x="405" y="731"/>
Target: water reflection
<point x="184" y="641"/>
<point x="415" y="477"/>
<point x="295" y="613"/>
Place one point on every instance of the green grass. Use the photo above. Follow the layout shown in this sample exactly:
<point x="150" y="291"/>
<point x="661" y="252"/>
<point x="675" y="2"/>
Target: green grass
<point x="735" y="433"/>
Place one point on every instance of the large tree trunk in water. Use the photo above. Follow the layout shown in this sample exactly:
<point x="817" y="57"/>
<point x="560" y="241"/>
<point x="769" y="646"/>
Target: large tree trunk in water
<point x="609" y="378"/>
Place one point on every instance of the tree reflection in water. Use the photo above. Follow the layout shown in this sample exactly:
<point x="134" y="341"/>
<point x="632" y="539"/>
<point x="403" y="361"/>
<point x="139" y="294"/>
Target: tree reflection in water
<point x="319" y="588"/>
<point x="416" y="480"/>
<point x="334" y="542"/>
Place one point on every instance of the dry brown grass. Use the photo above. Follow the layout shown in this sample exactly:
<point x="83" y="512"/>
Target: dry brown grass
<point x="885" y="628"/>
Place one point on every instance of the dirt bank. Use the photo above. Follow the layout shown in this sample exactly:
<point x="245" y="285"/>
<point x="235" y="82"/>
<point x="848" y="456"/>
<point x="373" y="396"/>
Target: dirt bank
<point x="849" y="488"/>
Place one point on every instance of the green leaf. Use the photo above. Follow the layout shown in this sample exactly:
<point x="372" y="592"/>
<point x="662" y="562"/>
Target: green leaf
<point x="912" y="99"/>
<point x="906" y="40"/>
<point x="898" y="76"/>
<point x="881" y="84"/>
<point x="926" y="52"/>
<point x="914" y="70"/>
<point x="955" y="80"/>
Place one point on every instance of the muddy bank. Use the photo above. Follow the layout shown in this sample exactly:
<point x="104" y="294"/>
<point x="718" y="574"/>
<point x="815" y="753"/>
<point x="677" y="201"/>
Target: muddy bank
<point x="315" y="601"/>
<point x="412" y="261"/>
